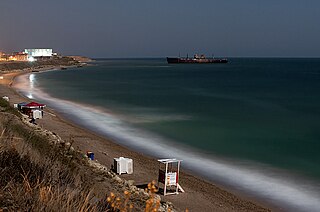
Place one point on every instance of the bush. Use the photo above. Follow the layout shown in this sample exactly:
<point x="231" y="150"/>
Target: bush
<point x="6" y="107"/>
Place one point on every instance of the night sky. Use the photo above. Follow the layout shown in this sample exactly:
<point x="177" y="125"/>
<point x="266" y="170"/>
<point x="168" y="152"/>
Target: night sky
<point x="158" y="28"/>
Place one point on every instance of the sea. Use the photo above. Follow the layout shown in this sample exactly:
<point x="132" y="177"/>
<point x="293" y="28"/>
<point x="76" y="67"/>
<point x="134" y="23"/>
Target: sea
<point x="252" y="124"/>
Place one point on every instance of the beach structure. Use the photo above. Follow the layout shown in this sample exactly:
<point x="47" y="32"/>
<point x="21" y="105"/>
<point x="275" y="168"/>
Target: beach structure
<point x="32" y="109"/>
<point x="20" y="105"/>
<point x="169" y="176"/>
<point x="37" y="114"/>
<point x="123" y="165"/>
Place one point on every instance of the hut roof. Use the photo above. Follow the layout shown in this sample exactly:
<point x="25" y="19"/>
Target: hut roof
<point x="34" y="104"/>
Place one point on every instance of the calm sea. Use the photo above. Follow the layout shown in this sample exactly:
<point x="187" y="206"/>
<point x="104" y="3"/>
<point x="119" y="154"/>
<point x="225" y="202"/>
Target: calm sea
<point x="253" y="123"/>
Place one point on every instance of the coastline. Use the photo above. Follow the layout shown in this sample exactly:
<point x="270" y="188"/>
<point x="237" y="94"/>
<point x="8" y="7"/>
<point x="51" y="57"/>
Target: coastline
<point x="200" y="195"/>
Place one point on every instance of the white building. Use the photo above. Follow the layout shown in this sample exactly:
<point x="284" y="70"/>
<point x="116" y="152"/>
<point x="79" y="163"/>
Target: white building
<point x="38" y="53"/>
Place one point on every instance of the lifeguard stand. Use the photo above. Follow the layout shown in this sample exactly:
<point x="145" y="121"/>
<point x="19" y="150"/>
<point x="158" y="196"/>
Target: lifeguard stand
<point x="169" y="176"/>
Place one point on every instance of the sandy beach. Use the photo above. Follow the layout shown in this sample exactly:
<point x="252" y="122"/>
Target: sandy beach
<point x="200" y="195"/>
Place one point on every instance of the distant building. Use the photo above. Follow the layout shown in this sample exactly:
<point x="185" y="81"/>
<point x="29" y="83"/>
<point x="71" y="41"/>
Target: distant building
<point x="3" y="56"/>
<point x="21" y="56"/>
<point x="17" y="56"/>
<point x="39" y="54"/>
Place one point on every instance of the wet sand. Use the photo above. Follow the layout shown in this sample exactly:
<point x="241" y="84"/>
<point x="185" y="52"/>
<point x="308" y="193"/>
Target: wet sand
<point x="200" y="195"/>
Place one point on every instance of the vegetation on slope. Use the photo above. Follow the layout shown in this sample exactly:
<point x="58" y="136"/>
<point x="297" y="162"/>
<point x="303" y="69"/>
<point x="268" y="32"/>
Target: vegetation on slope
<point x="38" y="174"/>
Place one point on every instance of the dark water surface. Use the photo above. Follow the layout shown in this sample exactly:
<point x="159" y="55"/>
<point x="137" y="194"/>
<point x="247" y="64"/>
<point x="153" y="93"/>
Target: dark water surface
<point x="253" y="117"/>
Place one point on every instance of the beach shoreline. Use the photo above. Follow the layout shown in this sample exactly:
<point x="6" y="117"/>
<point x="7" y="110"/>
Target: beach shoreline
<point x="200" y="195"/>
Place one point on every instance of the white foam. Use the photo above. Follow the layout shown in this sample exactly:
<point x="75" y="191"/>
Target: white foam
<point x="261" y="181"/>
<point x="154" y="116"/>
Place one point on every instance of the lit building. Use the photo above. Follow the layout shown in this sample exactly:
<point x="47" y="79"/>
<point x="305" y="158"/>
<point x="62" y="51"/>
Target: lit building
<point x="38" y="53"/>
<point x="2" y="56"/>
<point x="21" y="56"/>
<point x="17" y="56"/>
<point x="11" y="58"/>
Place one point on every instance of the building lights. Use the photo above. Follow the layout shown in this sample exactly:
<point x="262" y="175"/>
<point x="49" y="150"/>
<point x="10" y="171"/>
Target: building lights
<point x="31" y="59"/>
<point x="29" y="55"/>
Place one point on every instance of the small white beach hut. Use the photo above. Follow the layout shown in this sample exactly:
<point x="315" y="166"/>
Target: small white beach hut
<point x="37" y="114"/>
<point x="123" y="165"/>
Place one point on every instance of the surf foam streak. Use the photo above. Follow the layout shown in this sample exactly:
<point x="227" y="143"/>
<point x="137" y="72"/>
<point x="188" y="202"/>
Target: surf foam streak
<point x="250" y="178"/>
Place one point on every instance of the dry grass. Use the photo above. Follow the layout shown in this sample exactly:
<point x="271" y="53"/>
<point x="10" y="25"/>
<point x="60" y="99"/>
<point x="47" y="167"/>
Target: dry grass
<point x="33" y="185"/>
<point x="116" y="203"/>
<point x="5" y="107"/>
<point x="36" y="175"/>
<point x="28" y="186"/>
<point x="39" y="176"/>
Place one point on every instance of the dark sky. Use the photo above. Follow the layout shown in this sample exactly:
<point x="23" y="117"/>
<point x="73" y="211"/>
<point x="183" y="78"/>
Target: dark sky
<point x="156" y="28"/>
